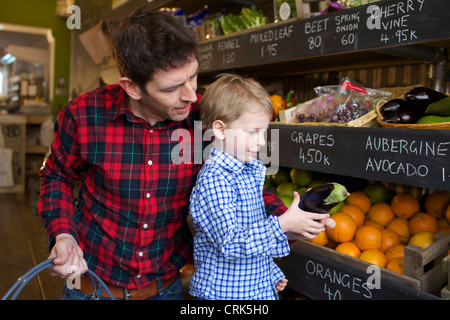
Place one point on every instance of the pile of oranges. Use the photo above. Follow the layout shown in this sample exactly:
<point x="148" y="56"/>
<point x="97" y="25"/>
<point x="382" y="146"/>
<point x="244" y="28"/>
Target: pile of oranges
<point x="379" y="232"/>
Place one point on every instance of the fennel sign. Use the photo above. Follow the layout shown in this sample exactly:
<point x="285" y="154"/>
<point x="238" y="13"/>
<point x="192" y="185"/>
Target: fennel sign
<point x="382" y="24"/>
<point x="407" y="156"/>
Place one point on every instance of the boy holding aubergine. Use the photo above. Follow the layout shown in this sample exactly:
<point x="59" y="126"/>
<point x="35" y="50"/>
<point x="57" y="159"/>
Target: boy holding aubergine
<point x="235" y="240"/>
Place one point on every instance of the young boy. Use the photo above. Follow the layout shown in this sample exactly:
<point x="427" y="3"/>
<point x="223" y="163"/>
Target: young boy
<point x="235" y="240"/>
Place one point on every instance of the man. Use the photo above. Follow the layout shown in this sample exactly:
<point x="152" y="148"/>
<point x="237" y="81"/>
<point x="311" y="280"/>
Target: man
<point x="129" y="225"/>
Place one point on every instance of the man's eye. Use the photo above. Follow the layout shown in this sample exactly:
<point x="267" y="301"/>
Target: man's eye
<point x="170" y="89"/>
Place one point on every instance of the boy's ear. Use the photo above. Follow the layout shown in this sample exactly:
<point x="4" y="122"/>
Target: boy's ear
<point x="219" y="129"/>
<point x="132" y="89"/>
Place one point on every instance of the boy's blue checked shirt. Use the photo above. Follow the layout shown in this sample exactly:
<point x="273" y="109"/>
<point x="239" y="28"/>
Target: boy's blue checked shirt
<point x="235" y="241"/>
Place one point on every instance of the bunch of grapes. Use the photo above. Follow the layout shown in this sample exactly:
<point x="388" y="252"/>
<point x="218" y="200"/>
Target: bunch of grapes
<point x="343" y="113"/>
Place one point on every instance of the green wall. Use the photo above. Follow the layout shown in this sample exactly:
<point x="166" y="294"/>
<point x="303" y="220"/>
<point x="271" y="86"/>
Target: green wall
<point x="42" y="13"/>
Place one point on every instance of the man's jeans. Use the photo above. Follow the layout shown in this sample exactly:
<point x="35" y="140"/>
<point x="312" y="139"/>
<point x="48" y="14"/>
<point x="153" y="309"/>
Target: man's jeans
<point x="173" y="292"/>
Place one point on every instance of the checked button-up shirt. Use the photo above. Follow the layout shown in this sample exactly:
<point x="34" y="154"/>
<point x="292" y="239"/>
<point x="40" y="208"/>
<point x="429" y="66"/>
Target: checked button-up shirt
<point x="235" y="241"/>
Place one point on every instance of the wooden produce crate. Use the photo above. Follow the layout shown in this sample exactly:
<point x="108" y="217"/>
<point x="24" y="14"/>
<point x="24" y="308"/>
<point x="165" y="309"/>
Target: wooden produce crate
<point x="322" y="273"/>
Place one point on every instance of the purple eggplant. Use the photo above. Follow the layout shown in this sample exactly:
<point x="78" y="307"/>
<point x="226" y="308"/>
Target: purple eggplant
<point x="424" y="94"/>
<point x="323" y="198"/>
<point x="393" y="106"/>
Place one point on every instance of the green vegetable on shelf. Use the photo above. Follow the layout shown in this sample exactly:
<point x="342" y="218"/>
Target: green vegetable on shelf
<point x="231" y="23"/>
<point x="252" y="18"/>
<point x="248" y="18"/>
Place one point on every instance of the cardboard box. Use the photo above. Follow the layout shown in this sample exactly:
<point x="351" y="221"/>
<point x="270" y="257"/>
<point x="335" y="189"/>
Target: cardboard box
<point x="13" y="129"/>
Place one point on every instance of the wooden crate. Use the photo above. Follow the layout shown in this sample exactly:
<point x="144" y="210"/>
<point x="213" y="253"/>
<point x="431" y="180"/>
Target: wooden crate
<point x="426" y="264"/>
<point x="324" y="274"/>
<point x="445" y="292"/>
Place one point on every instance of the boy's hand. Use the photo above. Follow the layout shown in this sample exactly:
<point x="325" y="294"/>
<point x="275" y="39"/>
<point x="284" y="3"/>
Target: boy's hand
<point x="281" y="284"/>
<point x="306" y="225"/>
<point x="329" y="223"/>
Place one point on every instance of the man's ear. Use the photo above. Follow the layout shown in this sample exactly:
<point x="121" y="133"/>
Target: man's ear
<point x="219" y="129"/>
<point x="132" y="89"/>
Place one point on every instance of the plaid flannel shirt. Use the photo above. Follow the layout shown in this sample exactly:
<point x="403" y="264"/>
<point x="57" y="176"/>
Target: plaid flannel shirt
<point x="235" y="241"/>
<point x="130" y="219"/>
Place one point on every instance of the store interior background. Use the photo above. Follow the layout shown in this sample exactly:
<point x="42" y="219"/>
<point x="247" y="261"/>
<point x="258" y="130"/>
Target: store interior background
<point x="22" y="237"/>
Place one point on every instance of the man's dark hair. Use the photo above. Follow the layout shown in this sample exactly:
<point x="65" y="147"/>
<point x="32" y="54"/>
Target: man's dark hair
<point x="146" y="41"/>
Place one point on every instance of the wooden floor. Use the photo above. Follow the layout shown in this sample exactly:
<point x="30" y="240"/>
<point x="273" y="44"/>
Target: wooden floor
<point x="23" y="244"/>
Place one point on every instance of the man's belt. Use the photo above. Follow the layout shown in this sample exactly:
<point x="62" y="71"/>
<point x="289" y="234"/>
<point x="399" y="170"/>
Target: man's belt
<point x="124" y="293"/>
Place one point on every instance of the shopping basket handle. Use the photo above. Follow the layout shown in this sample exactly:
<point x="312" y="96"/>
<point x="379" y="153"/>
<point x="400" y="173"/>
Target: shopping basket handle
<point x="30" y="274"/>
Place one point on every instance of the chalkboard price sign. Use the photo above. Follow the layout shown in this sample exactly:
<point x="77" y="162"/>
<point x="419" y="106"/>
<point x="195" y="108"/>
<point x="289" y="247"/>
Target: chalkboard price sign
<point x="381" y="24"/>
<point x="406" y="156"/>
<point x="323" y="274"/>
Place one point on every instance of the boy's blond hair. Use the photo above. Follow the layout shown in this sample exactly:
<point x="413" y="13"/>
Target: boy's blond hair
<point x="230" y="96"/>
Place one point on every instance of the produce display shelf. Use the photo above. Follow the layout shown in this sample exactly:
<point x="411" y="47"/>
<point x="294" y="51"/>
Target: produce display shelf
<point x="415" y="157"/>
<point x="351" y="37"/>
<point x="322" y="273"/>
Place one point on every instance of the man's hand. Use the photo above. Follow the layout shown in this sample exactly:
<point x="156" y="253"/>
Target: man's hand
<point x="68" y="256"/>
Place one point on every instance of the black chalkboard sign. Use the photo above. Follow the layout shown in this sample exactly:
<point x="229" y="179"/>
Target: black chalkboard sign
<point x="373" y="26"/>
<point x="414" y="157"/>
<point x="321" y="273"/>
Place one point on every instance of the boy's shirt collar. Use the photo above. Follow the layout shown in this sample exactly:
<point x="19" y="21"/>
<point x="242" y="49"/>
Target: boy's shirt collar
<point x="230" y="163"/>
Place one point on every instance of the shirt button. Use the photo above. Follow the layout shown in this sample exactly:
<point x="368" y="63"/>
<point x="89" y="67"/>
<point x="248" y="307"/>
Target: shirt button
<point x="151" y="130"/>
<point x="141" y="254"/>
<point x="138" y="276"/>
<point x="150" y="162"/>
<point x="148" y="195"/>
<point x="145" y="226"/>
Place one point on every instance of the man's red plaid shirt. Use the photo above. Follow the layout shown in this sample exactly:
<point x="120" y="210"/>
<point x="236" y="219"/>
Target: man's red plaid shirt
<point x="130" y="217"/>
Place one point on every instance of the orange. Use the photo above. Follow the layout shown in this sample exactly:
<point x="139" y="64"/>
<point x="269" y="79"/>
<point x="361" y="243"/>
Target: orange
<point x="375" y="257"/>
<point x="422" y="222"/>
<point x="355" y="212"/>
<point x="445" y="230"/>
<point x="187" y="270"/>
<point x="400" y="227"/>
<point x="404" y="205"/>
<point x="380" y="212"/>
<point x="321" y="239"/>
<point x="331" y="244"/>
<point x="360" y="199"/>
<point x="443" y="223"/>
<point x="345" y="228"/>
<point x="395" y="252"/>
<point x="422" y="239"/>
<point x="389" y="239"/>
<point x="373" y="224"/>
<point x="368" y="237"/>
<point x="349" y="248"/>
<point x="396" y="265"/>
<point x="435" y="203"/>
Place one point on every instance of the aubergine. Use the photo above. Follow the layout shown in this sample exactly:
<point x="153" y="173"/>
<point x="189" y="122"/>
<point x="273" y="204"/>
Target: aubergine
<point x="393" y="106"/>
<point x="323" y="198"/>
<point x="424" y="94"/>
<point x="407" y="116"/>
